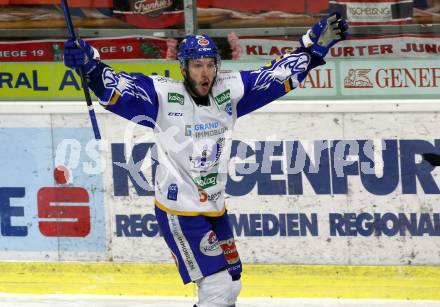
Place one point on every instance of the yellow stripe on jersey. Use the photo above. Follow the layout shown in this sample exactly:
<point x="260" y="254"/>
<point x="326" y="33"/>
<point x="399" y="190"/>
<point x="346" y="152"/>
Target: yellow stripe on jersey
<point x="114" y="98"/>
<point x="189" y="213"/>
<point x="287" y="85"/>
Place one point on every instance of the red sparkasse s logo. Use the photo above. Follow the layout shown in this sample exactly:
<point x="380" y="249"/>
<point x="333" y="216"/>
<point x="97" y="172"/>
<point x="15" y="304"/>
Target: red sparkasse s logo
<point x="63" y="220"/>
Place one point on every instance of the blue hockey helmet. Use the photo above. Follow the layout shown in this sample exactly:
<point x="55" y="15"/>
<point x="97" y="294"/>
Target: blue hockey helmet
<point x="195" y="47"/>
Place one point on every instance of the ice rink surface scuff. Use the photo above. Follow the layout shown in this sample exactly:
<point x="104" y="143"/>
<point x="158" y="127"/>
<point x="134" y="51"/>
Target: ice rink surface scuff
<point x="23" y="300"/>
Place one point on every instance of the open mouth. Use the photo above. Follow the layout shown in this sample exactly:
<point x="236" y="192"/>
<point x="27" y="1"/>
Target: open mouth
<point x="205" y="85"/>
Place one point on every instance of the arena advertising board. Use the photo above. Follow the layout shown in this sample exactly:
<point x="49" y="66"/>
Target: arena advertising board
<point x="377" y="47"/>
<point x="46" y="215"/>
<point x="54" y="81"/>
<point x="328" y="188"/>
<point x="364" y="79"/>
<point x="130" y="47"/>
<point x="338" y="79"/>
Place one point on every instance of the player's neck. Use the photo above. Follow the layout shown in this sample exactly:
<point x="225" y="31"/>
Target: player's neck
<point x="199" y="100"/>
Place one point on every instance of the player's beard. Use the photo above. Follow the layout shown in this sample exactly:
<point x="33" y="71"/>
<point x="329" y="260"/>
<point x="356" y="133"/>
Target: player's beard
<point x="191" y="85"/>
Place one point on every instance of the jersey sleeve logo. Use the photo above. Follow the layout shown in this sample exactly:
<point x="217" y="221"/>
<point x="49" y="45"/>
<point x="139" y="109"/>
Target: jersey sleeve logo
<point x="124" y="84"/>
<point x="287" y="67"/>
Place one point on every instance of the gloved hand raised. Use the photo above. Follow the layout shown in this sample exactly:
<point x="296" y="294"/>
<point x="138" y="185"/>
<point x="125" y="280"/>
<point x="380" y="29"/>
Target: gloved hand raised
<point x="80" y="53"/>
<point x="323" y="35"/>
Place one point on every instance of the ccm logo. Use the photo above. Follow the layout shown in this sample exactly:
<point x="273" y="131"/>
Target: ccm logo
<point x="175" y="114"/>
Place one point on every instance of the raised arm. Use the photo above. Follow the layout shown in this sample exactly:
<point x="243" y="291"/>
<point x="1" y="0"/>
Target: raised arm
<point x="121" y="93"/>
<point x="282" y="75"/>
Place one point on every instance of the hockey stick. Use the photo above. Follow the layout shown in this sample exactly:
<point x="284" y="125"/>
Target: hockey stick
<point x="81" y="72"/>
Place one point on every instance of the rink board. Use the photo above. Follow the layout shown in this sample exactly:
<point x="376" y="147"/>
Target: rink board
<point x="340" y="216"/>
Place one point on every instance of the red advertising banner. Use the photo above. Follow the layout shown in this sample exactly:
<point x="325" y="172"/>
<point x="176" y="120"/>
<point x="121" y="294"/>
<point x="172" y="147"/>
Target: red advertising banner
<point x="213" y="14"/>
<point x="30" y="51"/>
<point x="72" y="3"/>
<point x="109" y="49"/>
<point x="299" y="6"/>
<point x="131" y="47"/>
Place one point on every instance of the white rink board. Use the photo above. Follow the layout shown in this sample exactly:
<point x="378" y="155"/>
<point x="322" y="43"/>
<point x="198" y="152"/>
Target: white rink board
<point x="273" y="196"/>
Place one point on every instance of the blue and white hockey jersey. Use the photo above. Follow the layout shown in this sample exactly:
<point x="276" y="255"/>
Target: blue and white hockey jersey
<point x="194" y="142"/>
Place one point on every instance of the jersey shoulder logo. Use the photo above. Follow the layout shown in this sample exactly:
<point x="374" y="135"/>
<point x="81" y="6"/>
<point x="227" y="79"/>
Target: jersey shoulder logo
<point x="124" y="84"/>
<point x="286" y="67"/>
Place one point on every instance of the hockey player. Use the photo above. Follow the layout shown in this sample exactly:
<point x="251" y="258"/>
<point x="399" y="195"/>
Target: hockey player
<point x="193" y="120"/>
